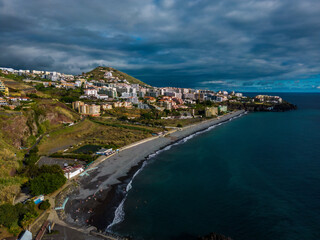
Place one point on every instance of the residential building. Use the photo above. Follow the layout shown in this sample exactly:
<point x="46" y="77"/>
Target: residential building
<point x="91" y="91"/>
<point x="106" y="107"/>
<point x="3" y="102"/>
<point x="143" y="106"/>
<point x="3" y="88"/>
<point x="122" y="104"/>
<point x="199" y="96"/>
<point x="76" y="105"/>
<point x="86" y="109"/>
<point x="150" y="99"/>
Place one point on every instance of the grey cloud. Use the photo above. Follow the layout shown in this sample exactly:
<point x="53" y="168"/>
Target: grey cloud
<point x="165" y="41"/>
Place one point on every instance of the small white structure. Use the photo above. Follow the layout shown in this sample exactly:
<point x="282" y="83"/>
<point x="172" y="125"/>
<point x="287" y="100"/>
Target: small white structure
<point x="27" y="235"/>
<point x="70" y="172"/>
<point x="38" y="199"/>
<point x="104" y="151"/>
<point x="108" y="75"/>
<point x="102" y="96"/>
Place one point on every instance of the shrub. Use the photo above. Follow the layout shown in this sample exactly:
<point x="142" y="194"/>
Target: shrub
<point x="44" y="205"/>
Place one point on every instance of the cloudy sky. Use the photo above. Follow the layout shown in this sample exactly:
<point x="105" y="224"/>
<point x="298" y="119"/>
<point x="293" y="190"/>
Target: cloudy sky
<point x="216" y="44"/>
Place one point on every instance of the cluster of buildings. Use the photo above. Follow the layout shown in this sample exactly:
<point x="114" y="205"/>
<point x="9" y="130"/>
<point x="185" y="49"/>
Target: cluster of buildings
<point x="95" y="109"/>
<point x="12" y="102"/>
<point x="53" y="76"/>
<point x="110" y="92"/>
<point x="268" y="99"/>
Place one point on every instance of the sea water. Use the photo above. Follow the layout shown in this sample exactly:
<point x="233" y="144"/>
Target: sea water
<point x="255" y="177"/>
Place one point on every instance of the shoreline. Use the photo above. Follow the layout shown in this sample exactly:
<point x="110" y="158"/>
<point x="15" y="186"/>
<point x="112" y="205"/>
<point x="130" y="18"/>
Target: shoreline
<point x="99" y="195"/>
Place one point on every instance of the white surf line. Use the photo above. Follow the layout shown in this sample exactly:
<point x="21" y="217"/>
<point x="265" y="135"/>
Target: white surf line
<point x="119" y="212"/>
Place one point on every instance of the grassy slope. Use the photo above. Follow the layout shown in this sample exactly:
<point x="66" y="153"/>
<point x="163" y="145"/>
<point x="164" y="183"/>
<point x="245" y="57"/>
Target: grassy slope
<point x="9" y="162"/>
<point x="16" y="86"/>
<point x="98" y="73"/>
<point x="88" y="132"/>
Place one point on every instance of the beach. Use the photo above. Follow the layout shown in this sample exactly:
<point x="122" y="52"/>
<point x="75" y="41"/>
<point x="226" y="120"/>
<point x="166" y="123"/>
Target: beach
<point x="97" y="196"/>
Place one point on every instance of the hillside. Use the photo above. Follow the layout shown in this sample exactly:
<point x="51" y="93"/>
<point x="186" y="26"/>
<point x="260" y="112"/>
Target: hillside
<point x="98" y="73"/>
<point x="17" y="87"/>
<point x="20" y="128"/>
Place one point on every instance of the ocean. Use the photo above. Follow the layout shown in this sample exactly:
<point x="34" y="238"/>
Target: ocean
<point x="256" y="177"/>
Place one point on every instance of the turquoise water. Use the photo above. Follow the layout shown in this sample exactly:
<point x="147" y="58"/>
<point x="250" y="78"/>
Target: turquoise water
<point x="256" y="177"/>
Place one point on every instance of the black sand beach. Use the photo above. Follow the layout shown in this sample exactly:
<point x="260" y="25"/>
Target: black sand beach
<point x="95" y="200"/>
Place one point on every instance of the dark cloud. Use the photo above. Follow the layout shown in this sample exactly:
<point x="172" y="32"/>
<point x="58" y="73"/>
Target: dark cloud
<point x="241" y="43"/>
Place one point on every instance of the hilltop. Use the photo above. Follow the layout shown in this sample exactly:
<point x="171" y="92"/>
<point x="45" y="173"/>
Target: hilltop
<point x="100" y="73"/>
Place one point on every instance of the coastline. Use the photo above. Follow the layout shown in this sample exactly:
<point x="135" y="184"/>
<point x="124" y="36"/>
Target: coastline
<point x="105" y="187"/>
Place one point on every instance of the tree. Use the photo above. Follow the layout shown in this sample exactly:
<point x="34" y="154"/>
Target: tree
<point x="46" y="183"/>
<point x="55" y="169"/>
<point x="45" y="205"/>
<point x="13" y="216"/>
<point x="8" y="215"/>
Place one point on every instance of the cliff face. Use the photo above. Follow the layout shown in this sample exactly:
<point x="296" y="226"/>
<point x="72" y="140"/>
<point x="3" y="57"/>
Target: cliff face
<point x="20" y="129"/>
<point x="262" y="107"/>
<point x="282" y="107"/>
<point x="17" y="129"/>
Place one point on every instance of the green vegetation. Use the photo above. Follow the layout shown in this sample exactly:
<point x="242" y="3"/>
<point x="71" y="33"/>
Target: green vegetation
<point x="84" y="157"/>
<point x="32" y="157"/>
<point x="91" y="133"/>
<point x="98" y="73"/>
<point x="15" y="217"/>
<point x="125" y="126"/>
<point x="44" y="205"/>
<point x="87" y="149"/>
<point x="64" y="95"/>
<point x="17" y="86"/>
<point x="9" y="162"/>
<point x="12" y="76"/>
<point x="46" y="183"/>
<point x="46" y="179"/>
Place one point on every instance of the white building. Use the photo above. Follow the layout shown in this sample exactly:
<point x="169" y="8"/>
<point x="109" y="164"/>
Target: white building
<point x="78" y="83"/>
<point x="70" y="172"/>
<point x="103" y="96"/>
<point x="90" y="91"/>
<point x="108" y="75"/>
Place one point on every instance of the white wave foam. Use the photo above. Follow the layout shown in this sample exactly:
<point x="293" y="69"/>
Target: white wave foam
<point x="119" y="213"/>
<point x="129" y="186"/>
